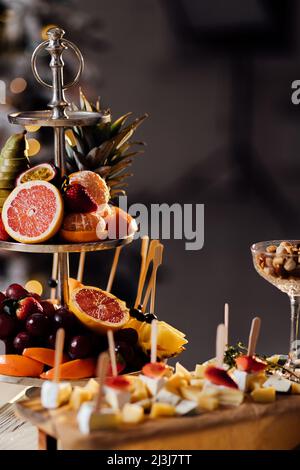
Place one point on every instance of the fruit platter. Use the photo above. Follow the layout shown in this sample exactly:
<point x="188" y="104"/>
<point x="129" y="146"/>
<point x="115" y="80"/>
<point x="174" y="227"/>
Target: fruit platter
<point x="64" y="206"/>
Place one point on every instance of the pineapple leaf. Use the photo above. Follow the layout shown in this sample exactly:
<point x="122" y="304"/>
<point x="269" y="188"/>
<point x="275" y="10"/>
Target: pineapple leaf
<point x="116" y="126"/>
<point x="98" y="155"/>
<point x="85" y="105"/>
<point x="118" y="179"/>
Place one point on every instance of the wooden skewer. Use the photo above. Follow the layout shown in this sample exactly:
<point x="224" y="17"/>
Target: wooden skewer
<point x="112" y="353"/>
<point x="102" y="368"/>
<point x="59" y="347"/>
<point x="253" y="337"/>
<point x="150" y="257"/>
<point x="81" y="266"/>
<point x="113" y="269"/>
<point x="220" y="344"/>
<point x="151" y="288"/>
<point x="54" y="275"/>
<point x="144" y="251"/>
<point x="226" y="323"/>
<point x="154" y="332"/>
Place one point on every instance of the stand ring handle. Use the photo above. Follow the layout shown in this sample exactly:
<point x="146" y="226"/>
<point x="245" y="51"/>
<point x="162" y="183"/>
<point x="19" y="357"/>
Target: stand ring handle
<point x="43" y="46"/>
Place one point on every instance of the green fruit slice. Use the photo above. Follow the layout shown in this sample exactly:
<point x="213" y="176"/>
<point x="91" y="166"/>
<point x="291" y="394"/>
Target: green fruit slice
<point x="17" y="165"/>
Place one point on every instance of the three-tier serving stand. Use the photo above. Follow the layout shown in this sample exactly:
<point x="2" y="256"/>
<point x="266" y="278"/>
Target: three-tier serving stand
<point x="60" y="117"/>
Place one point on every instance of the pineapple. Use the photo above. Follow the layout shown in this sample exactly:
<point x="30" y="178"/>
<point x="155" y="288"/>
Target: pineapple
<point x="103" y="148"/>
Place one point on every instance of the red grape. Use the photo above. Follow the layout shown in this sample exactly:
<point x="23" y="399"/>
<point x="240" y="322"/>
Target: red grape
<point x="63" y="318"/>
<point x="127" y="335"/>
<point x="80" y="347"/>
<point x="48" y="308"/>
<point x="15" y="292"/>
<point x="22" y="341"/>
<point x="35" y="296"/>
<point x="37" y="324"/>
<point x="7" y="325"/>
<point x="51" y="341"/>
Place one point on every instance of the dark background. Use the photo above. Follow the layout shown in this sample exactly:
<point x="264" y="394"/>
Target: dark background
<point x="215" y="77"/>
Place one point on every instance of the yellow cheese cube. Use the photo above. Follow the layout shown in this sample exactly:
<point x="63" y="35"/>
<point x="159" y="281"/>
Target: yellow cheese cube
<point x="179" y="369"/>
<point x="199" y="371"/>
<point x="191" y="393"/>
<point x="132" y="413"/>
<point x="175" y="382"/>
<point x="264" y="395"/>
<point x="295" y="388"/>
<point x="199" y="383"/>
<point x="138" y="389"/>
<point x="208" y="403"/>
<point x="92" y="386"/>
<point x="162" y="409"/>
<point x="256" y="381"/>
<point x="79" y="395"/>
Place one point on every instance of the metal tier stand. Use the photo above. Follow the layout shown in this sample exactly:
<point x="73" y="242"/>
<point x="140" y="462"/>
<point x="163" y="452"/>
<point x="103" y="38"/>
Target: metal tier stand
<point x="59" y="117"/>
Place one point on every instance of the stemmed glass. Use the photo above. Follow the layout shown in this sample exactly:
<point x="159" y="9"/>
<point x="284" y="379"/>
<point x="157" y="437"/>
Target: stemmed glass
<point x="278" y="261"/>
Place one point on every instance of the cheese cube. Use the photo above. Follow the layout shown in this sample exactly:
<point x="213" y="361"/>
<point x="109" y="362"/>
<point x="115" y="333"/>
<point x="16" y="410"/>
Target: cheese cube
<point x="191" y="393"/>
<point x="264" y="395"/>
<point x="165" y="396"/>
<point x="159" y="410"/>
<point x="116" y="398"/>
<point x="138" y="390"/>
<point x="132" y="413"/>
<point x="88" y="420"/>
<point x="199" y="383"/>
<point x="279" y="383"/>
<point x="145" y="404"/>
<point x="55" y="394"/>
<point x="153" y="385"/>
<point x="175" y="382"/>
<point x="179" y="369"/>
<point x="230" y="397"/>
<point x="242" y="379"/>
<point x="199" y="371"/>
<point x="79" y="395"/>
<point x="92" y="386"/>
<point x="208" y="403"/>
<point x="295" y="388"/>
<point x="186" y="407"/>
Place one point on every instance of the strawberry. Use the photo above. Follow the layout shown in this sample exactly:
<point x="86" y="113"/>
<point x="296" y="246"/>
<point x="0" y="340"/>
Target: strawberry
<point x="155" y="370"/>
<point x="219" y="376"/>
<point x="119" y="383"/>
<point x="27" y="306"/>
<point x="77" y="199"/>
<point x="3" y="233"/>
<point x="250" y="364"/>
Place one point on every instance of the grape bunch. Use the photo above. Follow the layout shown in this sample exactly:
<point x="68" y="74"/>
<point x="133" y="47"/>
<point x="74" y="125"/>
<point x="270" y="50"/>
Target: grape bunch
<point x="28" y="321"/>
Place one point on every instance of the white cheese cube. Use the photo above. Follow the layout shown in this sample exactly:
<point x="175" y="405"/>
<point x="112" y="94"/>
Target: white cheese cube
<point x="153" y="385"/>
<point x="88" y="420"/>
<point x="186" y="407"/>
<point x="242" y="379"/>
<point x="165" y="396"/>
<point x="116" y="398"/>
<point x="55" y="394"/>
<point x="279" y="383"/>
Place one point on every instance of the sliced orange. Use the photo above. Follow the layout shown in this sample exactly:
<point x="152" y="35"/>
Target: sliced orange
<point x="81" y="228"/>
<point x="33" y="212"/>
<point x="119" y="224"/>
<point x="94" y="185"/>
<point x="20" y="366"/>
<point x="97" y="309"/>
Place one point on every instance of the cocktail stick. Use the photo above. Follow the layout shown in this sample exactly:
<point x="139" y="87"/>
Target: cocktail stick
<point x="113" y="269"/>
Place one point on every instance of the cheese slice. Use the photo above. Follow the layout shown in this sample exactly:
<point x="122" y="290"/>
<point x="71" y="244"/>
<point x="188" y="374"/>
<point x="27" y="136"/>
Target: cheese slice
<point x="186" y="407"/>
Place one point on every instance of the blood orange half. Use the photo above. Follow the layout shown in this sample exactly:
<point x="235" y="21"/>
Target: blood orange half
<point x="33" y="212"/>
<point x="97" y="309"/>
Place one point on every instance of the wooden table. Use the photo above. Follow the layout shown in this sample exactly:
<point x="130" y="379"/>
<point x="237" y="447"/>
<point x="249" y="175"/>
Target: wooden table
<point x="248" y="427"/>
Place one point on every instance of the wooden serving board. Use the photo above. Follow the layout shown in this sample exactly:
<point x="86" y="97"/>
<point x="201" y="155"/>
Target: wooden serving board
<point x="250" y="426"/>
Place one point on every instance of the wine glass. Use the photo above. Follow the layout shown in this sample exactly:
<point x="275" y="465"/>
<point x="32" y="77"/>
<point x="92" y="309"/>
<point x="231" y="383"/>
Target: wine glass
<point x="278" y="261"/>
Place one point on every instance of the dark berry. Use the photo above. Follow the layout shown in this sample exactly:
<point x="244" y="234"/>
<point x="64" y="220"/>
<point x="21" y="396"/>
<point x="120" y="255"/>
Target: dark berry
<point x="15" y="292"/>
<point x="128" y="335"/>
<point x="125" y="350"/>
<point x="80" y="347"/>
<point x="37" y="324"/>
<point x="63" y="318"/>
<point x="149" y="317"/>
<point x="48" y="308"/>
<point x="52" y="283"/>
<point x="9" y="307"/>
<point x="22" y="341"/>
<point x="7" y="325"/>
<point x="137" y="314"/>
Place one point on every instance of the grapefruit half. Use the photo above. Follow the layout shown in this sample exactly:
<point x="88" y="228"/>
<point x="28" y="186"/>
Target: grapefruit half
<point x="33" y="212"/>
<point x="97" y="309"/>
